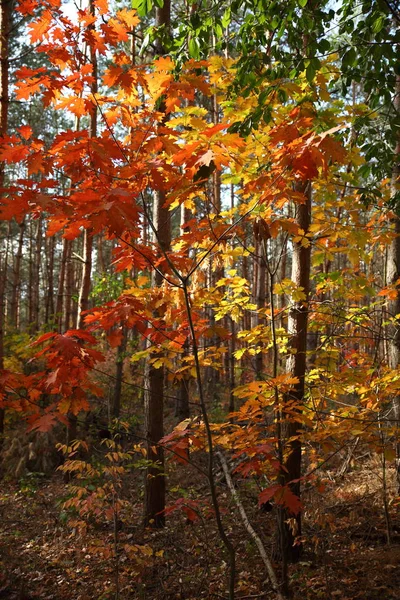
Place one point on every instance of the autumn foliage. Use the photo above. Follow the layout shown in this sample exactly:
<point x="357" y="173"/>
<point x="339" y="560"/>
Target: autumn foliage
<point x="155" y="135"/>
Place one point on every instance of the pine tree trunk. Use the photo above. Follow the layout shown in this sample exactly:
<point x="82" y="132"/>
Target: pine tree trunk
<point x="36" y="277"/>
<point x="50" y="247"/>
<point x="68" y="287"/>
<point x="16" y="285"/>
<point x="61" y="283"/>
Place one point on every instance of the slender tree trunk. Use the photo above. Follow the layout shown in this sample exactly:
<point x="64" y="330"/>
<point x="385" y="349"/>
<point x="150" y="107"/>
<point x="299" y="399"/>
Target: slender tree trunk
<point x="68" y="287"/>
<point x="49" y="313"/>
<point x="31" y="278"/>
<point x="36" y="277"/>
<point x="83" y="301"/>
<point x="296" y="367"/>
<point x="61" y="284"/>
<point x="88" y="236"/>
<point x="116" y="406"/>
<point x="393" y="275"/>
<point x="154" y="502"/>
<point x="5" y="13"/>
<point x="260" y="289"/>
<point x="16" y="285"/>
<point x="182" y="408"/>
<point x="3" y="272"/>
<point x="84" y="291"/>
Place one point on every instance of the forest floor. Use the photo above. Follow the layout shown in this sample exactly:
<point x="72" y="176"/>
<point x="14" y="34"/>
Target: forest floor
<point x="346" y="551"/>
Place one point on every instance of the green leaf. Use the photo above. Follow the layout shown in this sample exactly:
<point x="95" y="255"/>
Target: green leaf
<point x="324" y="46"/>
<point x="310" y="72"/>
<point x="302" y="3"/>
<point x="226" y="19"/>
<point x="194" y="48"/>
<point x="145" y="43"/>
<point x="349" y="58"/>
<point x="378" y="25"/>
<point x="143" y="7"/>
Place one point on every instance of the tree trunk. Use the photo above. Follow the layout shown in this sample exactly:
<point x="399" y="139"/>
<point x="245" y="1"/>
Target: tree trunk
<point x="393" y="274"/>
<point x="61" y="282"/>
<point x="5" y="13"/>
<point x="296" y="367"/>
<point x="182" y="407"/>
<point x="116" y="406"/>
<point x="50" y="247"/>
<point x="260" y="294"/>
<point x="16" y="285"/>
<point x="154" y="501"/>
<point x="36" y="278"/>
<point x="84" y="291"/>
<point x="68" y="287"/>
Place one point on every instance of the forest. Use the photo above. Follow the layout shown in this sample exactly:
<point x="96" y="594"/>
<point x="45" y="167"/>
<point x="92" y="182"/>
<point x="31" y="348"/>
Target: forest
<point x="199" y="299"/>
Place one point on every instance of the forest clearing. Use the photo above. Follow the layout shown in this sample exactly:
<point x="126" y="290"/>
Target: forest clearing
<point x="199" y="300"/>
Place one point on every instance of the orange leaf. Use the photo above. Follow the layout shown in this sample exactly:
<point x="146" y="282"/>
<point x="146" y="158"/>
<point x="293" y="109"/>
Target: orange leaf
<point x="129" y="17"/>
<point x="102" y="6"/>
<point x="41" y="27"/>
<point x="26" y="131"/>
<point x="27" y="7"/>
<point x="75" y="105"/>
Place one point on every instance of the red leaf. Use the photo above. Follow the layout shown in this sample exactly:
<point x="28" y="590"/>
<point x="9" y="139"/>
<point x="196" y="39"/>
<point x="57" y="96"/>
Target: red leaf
<point x="283" y="496"/>
<point x="45" y="422"/>
<point x="268" y="493"/>
<point x="27" y="7"/>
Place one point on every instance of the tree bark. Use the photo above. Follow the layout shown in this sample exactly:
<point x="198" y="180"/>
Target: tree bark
<point x="16" y="285"/>
<point x="116" y="406"/>
<point x="154" y="501"/>
<point x="393" y="275"/>
<point x="36" y="278"/>
<point x="296" y="367"/>
<point x="5" y="14"/>
<point x="84" y="291"/>
<point x="61" y="282"/>
<point x="182" y="407"/>
<point x="50" y="247"/>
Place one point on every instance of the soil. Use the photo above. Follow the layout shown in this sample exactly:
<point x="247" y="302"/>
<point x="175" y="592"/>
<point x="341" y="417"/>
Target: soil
<point x="46" y="554"/>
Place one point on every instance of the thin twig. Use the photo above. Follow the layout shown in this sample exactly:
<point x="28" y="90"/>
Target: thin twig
<point x="250" y="529"/>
